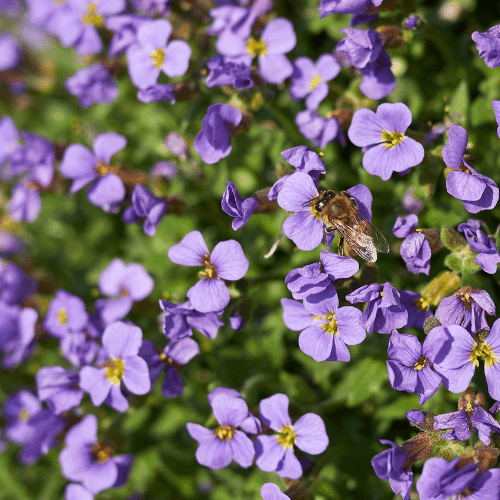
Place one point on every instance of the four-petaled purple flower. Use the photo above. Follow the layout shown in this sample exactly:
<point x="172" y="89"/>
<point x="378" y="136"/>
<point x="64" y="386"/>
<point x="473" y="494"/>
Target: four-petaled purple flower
<point x="66" y="314"/>
<point x="388" y="150"/>
<point x="227" y="261"/>
<point x="318" y="129"/>
<point x="488" y="257"/>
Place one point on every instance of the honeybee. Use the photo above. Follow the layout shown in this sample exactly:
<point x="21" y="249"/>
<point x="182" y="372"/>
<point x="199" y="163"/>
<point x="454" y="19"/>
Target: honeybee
<point x="339" y="212"/>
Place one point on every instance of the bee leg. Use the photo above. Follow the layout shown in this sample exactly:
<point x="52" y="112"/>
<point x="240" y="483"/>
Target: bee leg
<point x="340" y="247"/>
<point x="328" y="229"/>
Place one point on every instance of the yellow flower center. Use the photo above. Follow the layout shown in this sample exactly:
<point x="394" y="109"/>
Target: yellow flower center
<point x="392" y="139"/>
<point x="286" y="436"/>
<point x="256" y="47"/>
<point x="225" y="432"/>
<point x="62" y="316"/>
<point x="114" y="370"/>
<point x="419" y="365"/>
<point x="312" y="209"/>
<point x="483" y="350"/>
<point x="331" y="326"/>
<point x="315" y="81"/>
<point x="24" y="415"/>
<point x="158" y="57"/>
<point x="100" y="453"/>
<point x="421" y="304"/>
<point x="210" y="272"/>
<point x="92" y="16"/>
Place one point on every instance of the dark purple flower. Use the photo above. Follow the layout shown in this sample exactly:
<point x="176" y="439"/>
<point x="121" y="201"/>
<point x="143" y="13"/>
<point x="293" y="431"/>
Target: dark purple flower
<point x="15" y="284"/>
<point x="151" y="55"/>
<point x="328" y="7"/>
<point x="476" y="191"/>
<point x="83" y="166"/>
<point x="441" y="480"/>
<point x="415" y="249"/>
<point x="92" y="85"/>
<point x="382" y="133"/>
<point x="145" y="205"/>
<point x="10" y="244"/>
<point x="213" y="142"/>
<point x="157" y="92"/>
<point x="121" y="342"/>
<point x="275" y="452"/>
<point x="319" y="130"/>
<point x="236" y="206"/>
<point x="390" y="464"/>
<point x="227" y="262"/>
<point x="466" y="307"/>
<point x="310" y="79"/>
<point x="488" y="46"/>
<point x="58" y="388"/>
<point x="410" y="365"/>
<point x="232" y="73"/>
<point x="271" y="491"/>
<point x="85" y="459"/>
<point x="125" y="31"/>
<point x="384" y="312"/>
<point x="488" y="257"/>
<point x="359" y="47"/>
<point x="10" y="52"/>
<point x="236" y="322"/>
<point x="417" y="307"/>
<point x="411" y="22"/>
<point x="25" y="202"/>
<point x="66" y="313"/>
<point x="218" y="447"/>
<point x="378" y="79"/>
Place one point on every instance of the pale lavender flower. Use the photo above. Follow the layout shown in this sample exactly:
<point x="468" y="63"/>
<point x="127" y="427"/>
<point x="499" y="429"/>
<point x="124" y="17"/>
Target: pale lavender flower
<point x="66" y="313"/>
<point x="320" y="130"/>
<point x="271" y="491"/>
<point x="10" y="52"/>
<point x="25" y="202"/>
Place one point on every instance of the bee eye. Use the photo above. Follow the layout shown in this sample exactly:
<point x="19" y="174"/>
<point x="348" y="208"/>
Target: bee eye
<point x="320" y="205"/>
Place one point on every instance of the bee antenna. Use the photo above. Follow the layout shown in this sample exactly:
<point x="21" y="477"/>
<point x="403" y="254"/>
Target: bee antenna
<point x="306" y="203"/>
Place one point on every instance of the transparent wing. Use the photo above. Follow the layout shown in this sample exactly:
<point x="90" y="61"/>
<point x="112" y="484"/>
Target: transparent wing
<point x="362" y="236"/>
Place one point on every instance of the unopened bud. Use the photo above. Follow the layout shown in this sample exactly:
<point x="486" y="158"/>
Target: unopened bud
<point x="451" y="239"/>
<point x="431" y="323"/>
<point x="441" y="286"/>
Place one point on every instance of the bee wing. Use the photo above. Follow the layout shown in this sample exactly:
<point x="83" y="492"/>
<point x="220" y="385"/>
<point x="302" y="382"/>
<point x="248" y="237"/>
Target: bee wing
<point x="362" y="236"/>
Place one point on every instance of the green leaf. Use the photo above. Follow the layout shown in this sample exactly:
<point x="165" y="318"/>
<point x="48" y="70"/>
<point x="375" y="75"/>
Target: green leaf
<point x="459" y="102"/>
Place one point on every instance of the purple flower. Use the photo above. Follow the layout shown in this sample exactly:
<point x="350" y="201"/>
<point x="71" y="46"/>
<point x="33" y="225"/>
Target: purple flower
<point x="157" y="93"/>
<point x="359" y="47"/>
<point x="218" y="447"/>
<point x="152" y="7"/>
<point x="226" y="17"/>
<point x="129" y="283"/>
<point x="328" y="7"/>
<point x="66" y="313"/>
<point x="165" y="169"/>
<point x="25" y="203"/>
<point x="309" y="79"/>
<point x="476" y="191"/>
<point x="151" y="55"/>
<point x="181" y="318"/>
<point x="145" y="205"/>
<point x="10" y="244"/>
<point x="384" y="312"/>
<point x="415" y="249"/>
<point x="488" y="257"/>
<point x="92" y="85"/>
<point x="176" y="144"/>
<point x="382" y="133"/>
<point x="411" y="22"/>
<point x="79" y="348"/>
<point x="496" y="111"/>
<point x="319" y="130"/>
<point x="326" y="328"/>
<point x="10" y="52"/>
<point x="236" y="322"/>
<point x="488" y="46"/>
<point x="178" y="352"/>
<point x="466" y="307"/>
<point x="271" y="491"/>
<point x="58" y="388"/>
<point x="228" y="73"/>
<point x="410" y="365"/>
<point x="277" y="38"/>
<point x="83" y="166"/>
<point x="213" y="142"/>
<point x="236" y="206"/>
<point x="410" y="203"/>
<point x="125" y="31"/>
<point x="9" y="141"/>
<point x="275" y="453"/>
<point x="15" y="284"/>
<point x="390" y="464"/>
<point x="227" y="262"/>
<point x="121" y="342"/>
<point x="85" y="459"/>
<point x="417" y="308"/>
<point x="378" y="79"/>
<point x="441" y="480"/>
<point x="74" y="491"/>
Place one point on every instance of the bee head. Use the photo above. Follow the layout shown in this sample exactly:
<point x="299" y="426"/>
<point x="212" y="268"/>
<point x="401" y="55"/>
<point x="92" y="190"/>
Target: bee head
<point x="325" y="197"/>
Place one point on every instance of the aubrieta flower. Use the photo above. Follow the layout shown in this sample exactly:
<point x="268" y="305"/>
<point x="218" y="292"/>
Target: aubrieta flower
<point x="417" y="307"/>
<point x="275" y="453"/>
<point x="410" y="365"/>
<point x="10" y="244"/>
<point x="466" y="307"/>
<point x="318" y="129"/>
<point x="176" y="144"/>
<point x="236" y="206"/>
<point x="92" y="463"/>
<point x="232" y="73"/>
<point x="124" y="28"/>
<point x="457" y="365"/>
<point x="226" y="17"/>
<point x="10" y="52"/>
<point x="213" y="142"/>
<point x="121" y="342"/>
<point x="411" y="22"/>
<point x="152" y="7"/>
<point x="496" y="111"/>
<point x="310" y="79"/>
<point x="388" y="150"/>
<point x="158" y="92"/>
<point x="326" y="328"/>
<point x="145" y="205"/>
<point x="10" y="138"/>
<point x="488" y="257"/>
<point x="277" y="38"/>
<point x="176" y="353"/>
<point x="128" y="283"/>
<point x="227" y="261"/>
<point x="15" y="284"/>
<point x="181" y="318"/>
<point x="271" y="491"/>
<point x="391" y="464"/>
<point x="378" y="79"/>
<point x="66" y="313"/>
<point x="74" y="491"/>
<point x="92" y="85"/>
<point x="151" y="55"/>
<point x="476" y="191"/>
<point x="359" y="47"/>
<point x="488" y="46"/>
<point x="83" y="166"/>
<point x="25" y="202"/>
<point x="218" y="447"/>
<point x="442" y="480"/>
<point x="384" y="311"/>
<point x="328" y="7"/>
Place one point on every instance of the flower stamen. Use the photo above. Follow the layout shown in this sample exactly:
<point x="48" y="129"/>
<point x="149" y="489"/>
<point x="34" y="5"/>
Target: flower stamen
<point x="286" y="436"/>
